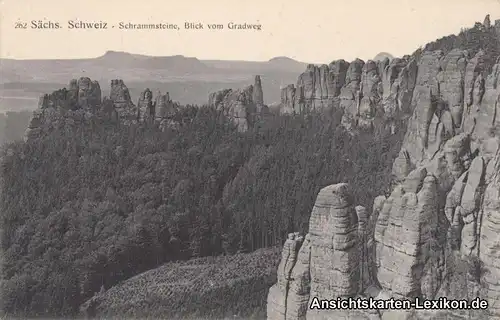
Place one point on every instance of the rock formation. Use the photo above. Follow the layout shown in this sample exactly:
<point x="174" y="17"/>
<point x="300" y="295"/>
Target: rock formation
<point x="287" y="99"/>
<point x="361" y="89"/>
<point x="145" y="106"/>
<point x="82" y="93"/>
<point x="350" y="94"/>
<point x="237" y="105"/>
<point x="384" y="88"/>
<point x="243" y="106"/>
<point x="83" y="101"/>
<point x="34" y="125"/>
<point x="258" y="94"/>
<point x="88" y="93"/>
<point x="438" y="233"/>
<point x="487" y="21"/>
<point x="122" y="101"/>
<point x="326" y="263"/>
<point x="164" y="106"/>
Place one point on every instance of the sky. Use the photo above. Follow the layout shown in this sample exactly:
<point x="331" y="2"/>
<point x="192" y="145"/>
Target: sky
<point x="315" y="31"/>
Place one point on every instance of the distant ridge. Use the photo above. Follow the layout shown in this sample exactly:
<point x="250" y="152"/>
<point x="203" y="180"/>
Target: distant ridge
<point x="177" y="65"/>
<point x="286" y="62"/>
<point x="189" y="79"/>
<point x="173" y="63"/>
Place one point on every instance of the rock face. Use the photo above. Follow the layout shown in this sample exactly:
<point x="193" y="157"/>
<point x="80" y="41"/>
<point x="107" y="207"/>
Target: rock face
<point x="258" y="94"/>
<point x="237" y="105"/>
<point x="146" y="106"/>
<point x="454" y="136"/>
<point x="83" y="101"/>
<point x="122" y="101"/>
<point x="438" y="233"/>
<point x="34" y="125"/>
<point x="362" y="90"/>
<point x="82" y="93"/>
<point x="163" y="106"/>
<point x="316" y="88"/>
<point x="287" y="99"/>
<point x="159" y="110"/>
<point x="88" y="94"/>
<point x="243" y="106"/>
<point x="327" y="262"/>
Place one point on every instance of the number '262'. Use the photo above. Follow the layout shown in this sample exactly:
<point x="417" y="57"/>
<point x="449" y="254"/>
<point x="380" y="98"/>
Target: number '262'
<point x="21" y="25"/>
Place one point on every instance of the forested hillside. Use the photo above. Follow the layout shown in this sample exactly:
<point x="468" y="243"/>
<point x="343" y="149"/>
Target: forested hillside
<point x="88" y="205"/>
<point x="13" y="124"/>
<point x="481" y="37"/>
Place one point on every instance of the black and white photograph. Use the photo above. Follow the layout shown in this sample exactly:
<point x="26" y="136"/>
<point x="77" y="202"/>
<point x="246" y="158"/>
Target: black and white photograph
<point x="261" y="160"/>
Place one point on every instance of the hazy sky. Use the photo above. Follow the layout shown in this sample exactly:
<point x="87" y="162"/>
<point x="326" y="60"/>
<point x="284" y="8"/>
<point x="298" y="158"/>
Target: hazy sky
<point x="307" y="30"/>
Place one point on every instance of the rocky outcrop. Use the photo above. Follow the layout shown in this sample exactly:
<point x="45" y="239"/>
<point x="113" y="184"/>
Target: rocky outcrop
<point x="157" y="110"/>
<point x="324" y="263"/>
<point x="370" y="94"/>
<point x="83" y="96"/>
<point x="277" y="306"/>
<point x="487" y="21"/>
<point x="239" y="105"/>
<point x="64" y="98"/>
<point x="462" y="101"/>
<point x="33" y="130"/>
<point x="316" y="88"/>
<point x="145" y="106"/>
<point x="437" y="233"/>
<point x="334" y="215"/>
<point x="403" y="234"/>
<point x="389" y="89"/>
<point x="164" y="109"/>
<point x="88" y="93"/>
<point x="350" y="92"/>
<point x="122" y="101"/>
<point x="82" y="93"/>
<point x="398" y="82"/>
<point x="287" y="99"/>
<point x="400" y="250"/>
<point x="82" y="100"/>
<point x="381" y="88"/>
<point x="258" y="94"/>
<point x="164" y="106"/>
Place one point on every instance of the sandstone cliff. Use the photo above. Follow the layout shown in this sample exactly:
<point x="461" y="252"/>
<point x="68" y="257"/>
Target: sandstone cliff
<point x="243" y="106"/>
<point x="82" y="100"/>
<point x="383" y="88"/>
<point x="438" y="233"/>
<point x="120" y="96"/>
<point x="360" y="89"/>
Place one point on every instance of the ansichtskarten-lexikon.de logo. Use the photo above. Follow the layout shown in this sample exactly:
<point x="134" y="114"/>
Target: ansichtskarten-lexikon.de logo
<point x="442" y="303"/>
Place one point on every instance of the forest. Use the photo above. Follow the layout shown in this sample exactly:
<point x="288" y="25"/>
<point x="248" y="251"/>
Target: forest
<point x="87" y="206"/>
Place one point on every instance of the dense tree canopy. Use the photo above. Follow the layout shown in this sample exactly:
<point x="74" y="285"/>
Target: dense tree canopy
<point x="88" y="205"/>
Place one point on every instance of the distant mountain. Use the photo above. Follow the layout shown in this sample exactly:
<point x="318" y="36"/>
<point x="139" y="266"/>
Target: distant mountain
<point x="283" y="64"/>
<point x="188" y="79"/>
<point x="286" y="63"/>
<point x="382" y="56"/>
<point x="176" y="63"/>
